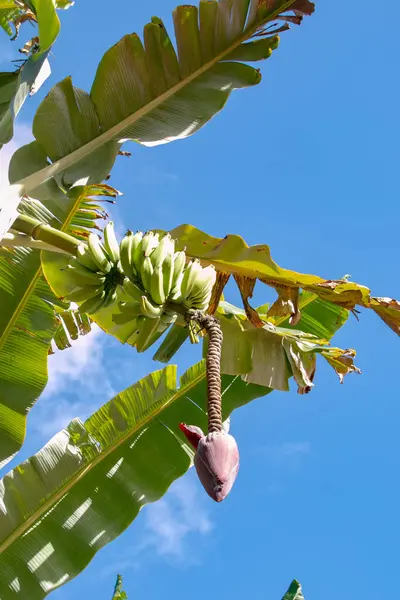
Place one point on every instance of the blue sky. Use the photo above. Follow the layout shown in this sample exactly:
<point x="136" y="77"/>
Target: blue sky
<point x="306" y="162"/>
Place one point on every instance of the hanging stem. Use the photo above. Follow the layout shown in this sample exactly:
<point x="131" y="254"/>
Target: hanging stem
<point x="45" y="233"/>
<point x="213" y="366"/>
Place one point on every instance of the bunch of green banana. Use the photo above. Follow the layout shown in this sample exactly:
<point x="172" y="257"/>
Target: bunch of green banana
<point x="157" y="279"/>
<point x="197" y="284"/>
<point x="95" y="273"/>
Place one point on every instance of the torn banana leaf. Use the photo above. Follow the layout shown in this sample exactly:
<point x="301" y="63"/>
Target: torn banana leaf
<point x="231" y="255"/>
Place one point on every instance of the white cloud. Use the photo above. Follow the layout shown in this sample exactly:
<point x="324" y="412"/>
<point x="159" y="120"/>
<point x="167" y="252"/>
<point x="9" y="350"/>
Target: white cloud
<point x="168" y="526"/>
<point x="77" y="386"/>
<point x="55" y="415"/>
<point x="172" y="519"/>
<point x="80" y="364"/>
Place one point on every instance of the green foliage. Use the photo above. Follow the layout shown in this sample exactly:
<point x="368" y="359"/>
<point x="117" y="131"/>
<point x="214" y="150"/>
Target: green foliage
<point x="151" y="94"/>
<point x="119" y="594"/>
<point x="15" y="88"/>
<point x="43" y="12"/>
<point x="166" y="104"/>
<point x="294" y="592"/>
<point x="28" y="319"/>
<point x="87" y="485"/>
<point x="231" y="255"/>
<point x="266" y="355"/>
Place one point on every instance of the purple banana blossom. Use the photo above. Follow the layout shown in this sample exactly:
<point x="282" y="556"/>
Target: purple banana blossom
<point x="216" y="460"/>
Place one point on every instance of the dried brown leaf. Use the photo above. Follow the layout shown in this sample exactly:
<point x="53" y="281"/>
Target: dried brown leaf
<point x="220" y="283"/>
<point x="287" y="304"/>
<point x="341" y="361"/>
<point x="388" y="310"/>
<point x="246" y="288"/>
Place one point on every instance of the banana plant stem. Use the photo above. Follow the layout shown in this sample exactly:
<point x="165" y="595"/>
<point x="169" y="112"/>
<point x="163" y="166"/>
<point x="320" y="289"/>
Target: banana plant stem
<point x="18" y="240"/>
<point x="57" y="241"/>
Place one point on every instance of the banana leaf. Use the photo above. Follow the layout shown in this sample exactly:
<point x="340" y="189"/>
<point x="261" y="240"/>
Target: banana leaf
<point x="271" y="355"/>
<point x="267" y="356"/>
<point x="294" y="592"/>
<point x="197" y="94"/>
<point x="31" y="75"/>
<point x="48" y="22"/>
<point x="233" y="256"/>
<point x="149" y="93"/>
<point x="318" y="317"/>
<point x="15" y="88"/>
<point x="28" y="318"/>
<point x="72" y="325"/>
<point x="41" y="11"/>
<point x="9" y="15"/>
<point x="87" y="485"/>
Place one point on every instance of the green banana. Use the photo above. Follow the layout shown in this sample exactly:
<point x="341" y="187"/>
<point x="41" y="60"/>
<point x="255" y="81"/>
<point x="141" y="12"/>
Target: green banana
<point x="204" y="293"/>
<point x="137" y="251"/>
<point x="167" y="274"/>
<point x="111" y="297"/>
<point x="77" y="272"/>
<point x="85" y="292"/>
<point x="178" y="268"/>
<point x="149" y="242"/>
<point x="157" y="285"/>
<point x="198" y="304"/>
<point x="132" y="289"/>
<point x="204" y="281"/>
<point x="98" y="254"/>
<point x="93" y="305"/>
<point x="201" y="300"/>
<point x="125" y="252"/>
<point x="176" y="294"/>
<point x="137" y="240"/>
<point x="148" y="309"/>
<point x="84" y="257"/>
<point x="189" y="277"/>
<point x="110" y="242"/>
<point x="146" y="272"/>
<point x="165" y="247"/>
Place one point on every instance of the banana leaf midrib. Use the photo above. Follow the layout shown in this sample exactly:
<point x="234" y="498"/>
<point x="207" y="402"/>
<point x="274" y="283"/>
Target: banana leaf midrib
<point x="60" y="165"/>
<point x="30" y="290"/>
<point x="57" y="496"/>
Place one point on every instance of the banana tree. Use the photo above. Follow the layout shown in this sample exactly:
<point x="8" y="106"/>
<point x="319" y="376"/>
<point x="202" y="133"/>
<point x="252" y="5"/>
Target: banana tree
<point x="56" y="275"/>
<point x="66" y="128"/>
